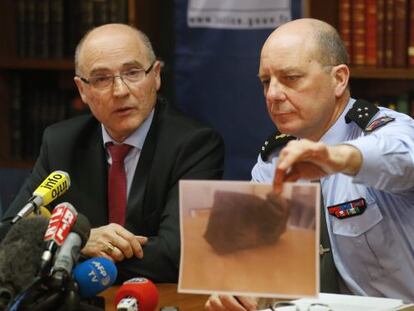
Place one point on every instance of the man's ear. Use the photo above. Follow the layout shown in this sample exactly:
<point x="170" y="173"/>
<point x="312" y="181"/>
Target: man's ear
<point x="81" y="88"/>
<point x="157" y="73"/>
<point x="340" y="74"/>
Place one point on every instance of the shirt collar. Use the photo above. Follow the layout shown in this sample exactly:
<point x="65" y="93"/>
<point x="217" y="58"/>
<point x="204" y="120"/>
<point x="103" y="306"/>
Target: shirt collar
<point x="338" y="132"/>
<point x="137" y="138"/>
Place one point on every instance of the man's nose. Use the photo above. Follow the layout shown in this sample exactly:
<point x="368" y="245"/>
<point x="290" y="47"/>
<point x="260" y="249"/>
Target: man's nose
<point x="120" y="88"/>
<point x="275" y="91"/>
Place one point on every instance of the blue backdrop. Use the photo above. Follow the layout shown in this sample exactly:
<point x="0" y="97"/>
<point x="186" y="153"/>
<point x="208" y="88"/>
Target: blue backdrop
<point x="215" y="78"/>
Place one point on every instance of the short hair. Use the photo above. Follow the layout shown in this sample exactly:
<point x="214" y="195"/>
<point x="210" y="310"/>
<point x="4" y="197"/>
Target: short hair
<point x="330" y="49"/>
<point x="141" y="36"/>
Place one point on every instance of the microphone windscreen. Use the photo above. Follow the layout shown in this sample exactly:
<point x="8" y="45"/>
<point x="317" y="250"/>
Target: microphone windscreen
<point x="20" y="252"/>
<point x="95" y="275"/>
<point x="143" y="290"/>
<point x="82" y="227"/>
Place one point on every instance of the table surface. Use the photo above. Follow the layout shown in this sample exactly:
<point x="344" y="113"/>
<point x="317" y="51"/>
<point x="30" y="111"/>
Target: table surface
<point x="168" y="296"/>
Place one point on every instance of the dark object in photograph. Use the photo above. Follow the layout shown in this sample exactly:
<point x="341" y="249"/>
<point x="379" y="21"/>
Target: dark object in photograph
<point x="240" y="221"/>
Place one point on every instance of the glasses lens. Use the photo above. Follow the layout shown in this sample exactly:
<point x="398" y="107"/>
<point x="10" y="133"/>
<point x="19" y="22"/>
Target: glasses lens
<point x="319" y="307"/>
<point x="284" y="306"/>
<point x="101" y="82"/>
<point x="133" y="75"/>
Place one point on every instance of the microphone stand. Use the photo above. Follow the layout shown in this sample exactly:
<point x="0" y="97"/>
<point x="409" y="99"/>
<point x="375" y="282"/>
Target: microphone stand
<point x="37" y="297"/>
<point x="72" y="300"/>
<point x="63" y="298"/>
<point x="50" y="303"/>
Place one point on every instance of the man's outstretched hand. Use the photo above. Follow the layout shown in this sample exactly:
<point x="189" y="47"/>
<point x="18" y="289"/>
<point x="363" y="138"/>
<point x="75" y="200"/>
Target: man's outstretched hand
<point x="305" y="159"/>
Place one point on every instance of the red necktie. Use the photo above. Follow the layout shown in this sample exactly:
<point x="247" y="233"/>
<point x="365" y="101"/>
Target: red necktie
<point x="117" y="183"/>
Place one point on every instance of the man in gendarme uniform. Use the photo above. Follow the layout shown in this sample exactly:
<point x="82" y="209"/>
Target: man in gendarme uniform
<point x="362" y="154"/>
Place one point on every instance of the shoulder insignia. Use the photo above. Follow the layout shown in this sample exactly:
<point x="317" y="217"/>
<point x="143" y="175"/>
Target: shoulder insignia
<point x="275" y="141"/>
<point x="361" y="113"/>
<point x="378" y="123"/>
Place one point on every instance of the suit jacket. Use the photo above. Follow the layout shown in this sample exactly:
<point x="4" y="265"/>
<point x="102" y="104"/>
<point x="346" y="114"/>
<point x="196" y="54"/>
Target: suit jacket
<point x="175" y="148"/>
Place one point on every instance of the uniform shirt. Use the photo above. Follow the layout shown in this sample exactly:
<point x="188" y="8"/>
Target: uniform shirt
<point x="373" y="251"/>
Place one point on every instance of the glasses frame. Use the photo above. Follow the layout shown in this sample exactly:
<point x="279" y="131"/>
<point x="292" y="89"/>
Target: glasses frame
<point x="146" y="71"/>
<point x="280" y="304"/>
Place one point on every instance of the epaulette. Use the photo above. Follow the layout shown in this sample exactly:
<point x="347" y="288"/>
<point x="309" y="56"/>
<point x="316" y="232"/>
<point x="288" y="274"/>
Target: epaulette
<point x="361" y="113"/>
<point x="275" y="141"/>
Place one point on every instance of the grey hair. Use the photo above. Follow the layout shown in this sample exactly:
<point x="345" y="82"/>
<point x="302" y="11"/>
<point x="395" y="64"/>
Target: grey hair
<point x="141" y="36"/>
<point x="330" y="49"/>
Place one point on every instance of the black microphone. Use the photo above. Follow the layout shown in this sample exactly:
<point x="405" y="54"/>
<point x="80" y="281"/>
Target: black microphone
<point x="20" y="252"/>
<point x="68" y="254"/>
<point x="56" y="184"/>
<point x="53" y="287"/>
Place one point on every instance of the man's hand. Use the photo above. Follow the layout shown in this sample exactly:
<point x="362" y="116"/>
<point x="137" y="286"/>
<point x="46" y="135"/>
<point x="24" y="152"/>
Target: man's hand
<point x="114" y="242"/>
<point x="305" y="159"/>
<point x="231" y="303"/>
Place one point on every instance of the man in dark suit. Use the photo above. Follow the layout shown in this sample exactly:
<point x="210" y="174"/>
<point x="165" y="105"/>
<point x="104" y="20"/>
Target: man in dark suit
<point x="118" y="77"/>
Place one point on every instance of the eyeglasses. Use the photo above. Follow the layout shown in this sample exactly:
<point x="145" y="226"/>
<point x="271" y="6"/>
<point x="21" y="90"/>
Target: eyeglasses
<point x="106" y="81"/>
<point x="287" y="305"/>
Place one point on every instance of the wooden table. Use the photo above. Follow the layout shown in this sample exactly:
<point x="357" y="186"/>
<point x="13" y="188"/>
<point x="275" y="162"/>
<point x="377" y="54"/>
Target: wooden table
<point x="168" y="297"/>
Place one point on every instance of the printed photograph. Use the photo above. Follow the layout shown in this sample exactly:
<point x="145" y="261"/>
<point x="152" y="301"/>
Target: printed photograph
<point x="242" y="238"/>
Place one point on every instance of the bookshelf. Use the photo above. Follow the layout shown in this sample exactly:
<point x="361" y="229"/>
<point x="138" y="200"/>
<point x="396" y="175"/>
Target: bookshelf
<point x="382" y="73"/>
<point x="387" y="84"/>
<point x="36" y="74"/>
<point x="37" y="64"/>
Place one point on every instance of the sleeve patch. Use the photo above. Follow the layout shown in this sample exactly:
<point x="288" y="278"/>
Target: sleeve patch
<point x="377" y="123"/>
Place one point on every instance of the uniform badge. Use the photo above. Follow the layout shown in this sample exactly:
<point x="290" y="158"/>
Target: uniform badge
<point x="348" y="209"/>
<point x="378" y="123"/>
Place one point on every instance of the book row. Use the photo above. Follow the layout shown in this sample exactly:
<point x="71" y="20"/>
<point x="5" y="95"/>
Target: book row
<point x="35" y="106"/>
<point x="378" y="32"/>
<point x="403" y="103"/>
<point x="52" y="28"/>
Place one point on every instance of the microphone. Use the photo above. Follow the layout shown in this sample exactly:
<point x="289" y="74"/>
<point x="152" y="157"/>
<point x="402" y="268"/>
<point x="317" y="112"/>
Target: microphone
<point x="5" y="225"/>
<point x="94" y="276"/>
<point x="68" y="254"/>
<point x="137" y="294"/>
<point x="20" y="251"/>
<point x="56" y="184"/>
<point x="43" y="211"/>
<point x="63" y="217"/>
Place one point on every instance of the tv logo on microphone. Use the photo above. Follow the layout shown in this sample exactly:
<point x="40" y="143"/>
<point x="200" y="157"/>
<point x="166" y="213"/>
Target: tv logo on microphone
<point x="103" y="276"/>
<point x="137" y="280"/>
<point x="57" y="183"/>
<point x="60" y="224"/>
